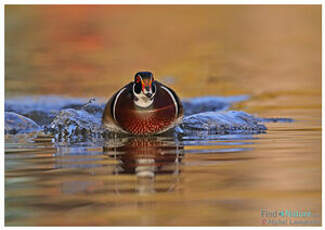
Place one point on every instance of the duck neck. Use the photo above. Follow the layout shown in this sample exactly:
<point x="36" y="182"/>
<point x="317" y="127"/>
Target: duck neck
<point x="142" y="101"/>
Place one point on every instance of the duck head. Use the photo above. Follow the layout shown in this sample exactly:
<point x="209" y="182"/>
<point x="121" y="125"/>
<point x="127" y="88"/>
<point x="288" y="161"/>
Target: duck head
<point x="144" y="89"/>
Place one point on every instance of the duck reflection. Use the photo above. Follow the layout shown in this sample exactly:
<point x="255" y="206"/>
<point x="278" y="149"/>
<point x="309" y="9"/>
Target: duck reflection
<point x="147" y="157"/>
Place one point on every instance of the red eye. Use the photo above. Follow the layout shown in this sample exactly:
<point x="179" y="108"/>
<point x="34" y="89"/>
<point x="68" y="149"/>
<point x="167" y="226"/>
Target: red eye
<point x="137" y="79"/>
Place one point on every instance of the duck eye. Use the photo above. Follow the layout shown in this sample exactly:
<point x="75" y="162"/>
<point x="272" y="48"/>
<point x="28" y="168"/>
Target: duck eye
<point x="137" y="79"/>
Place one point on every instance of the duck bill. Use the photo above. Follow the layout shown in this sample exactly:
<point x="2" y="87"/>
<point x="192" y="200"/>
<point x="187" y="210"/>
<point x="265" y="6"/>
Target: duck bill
<point x="147" y="88"/>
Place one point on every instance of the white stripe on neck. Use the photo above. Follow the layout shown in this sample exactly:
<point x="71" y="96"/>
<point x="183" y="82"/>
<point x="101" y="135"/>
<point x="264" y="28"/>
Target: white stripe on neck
<point x="114" y="105"/>
<point x="173" y="98"/>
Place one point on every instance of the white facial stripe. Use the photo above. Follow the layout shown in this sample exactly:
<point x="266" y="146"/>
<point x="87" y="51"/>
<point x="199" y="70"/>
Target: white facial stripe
<point x="173" y="98"/>
<point x="116" y="98"/>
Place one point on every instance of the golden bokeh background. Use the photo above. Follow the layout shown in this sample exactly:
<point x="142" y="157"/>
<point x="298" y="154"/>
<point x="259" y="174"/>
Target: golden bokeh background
<point x="198" y="50"/>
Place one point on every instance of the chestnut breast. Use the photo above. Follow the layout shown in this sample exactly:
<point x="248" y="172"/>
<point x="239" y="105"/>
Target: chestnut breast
<point x="161" y="114"/>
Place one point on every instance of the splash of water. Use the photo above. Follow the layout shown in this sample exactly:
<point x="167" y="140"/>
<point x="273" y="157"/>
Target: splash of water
<point x="72" y="118"/>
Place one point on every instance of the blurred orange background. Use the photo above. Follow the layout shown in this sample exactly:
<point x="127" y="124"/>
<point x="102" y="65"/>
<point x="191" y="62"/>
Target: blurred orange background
<point x="93" y="50"/>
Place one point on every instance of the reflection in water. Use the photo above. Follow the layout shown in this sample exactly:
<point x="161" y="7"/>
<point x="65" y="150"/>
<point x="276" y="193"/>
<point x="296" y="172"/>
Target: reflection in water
<point x="148" y="164"/>
<point x="146" y="157"/>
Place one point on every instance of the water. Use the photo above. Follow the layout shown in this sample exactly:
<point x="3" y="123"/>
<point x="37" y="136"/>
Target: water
<point x="194" y="178"/>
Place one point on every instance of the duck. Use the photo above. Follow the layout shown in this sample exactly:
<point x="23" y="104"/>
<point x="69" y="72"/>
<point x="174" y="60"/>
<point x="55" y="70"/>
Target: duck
<point x="144" y="106"/>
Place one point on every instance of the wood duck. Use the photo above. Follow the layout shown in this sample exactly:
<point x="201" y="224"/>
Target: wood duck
<point x="143" y="107"/>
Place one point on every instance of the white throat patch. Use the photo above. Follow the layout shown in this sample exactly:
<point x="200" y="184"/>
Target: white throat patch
<point x="142" y="100"/>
